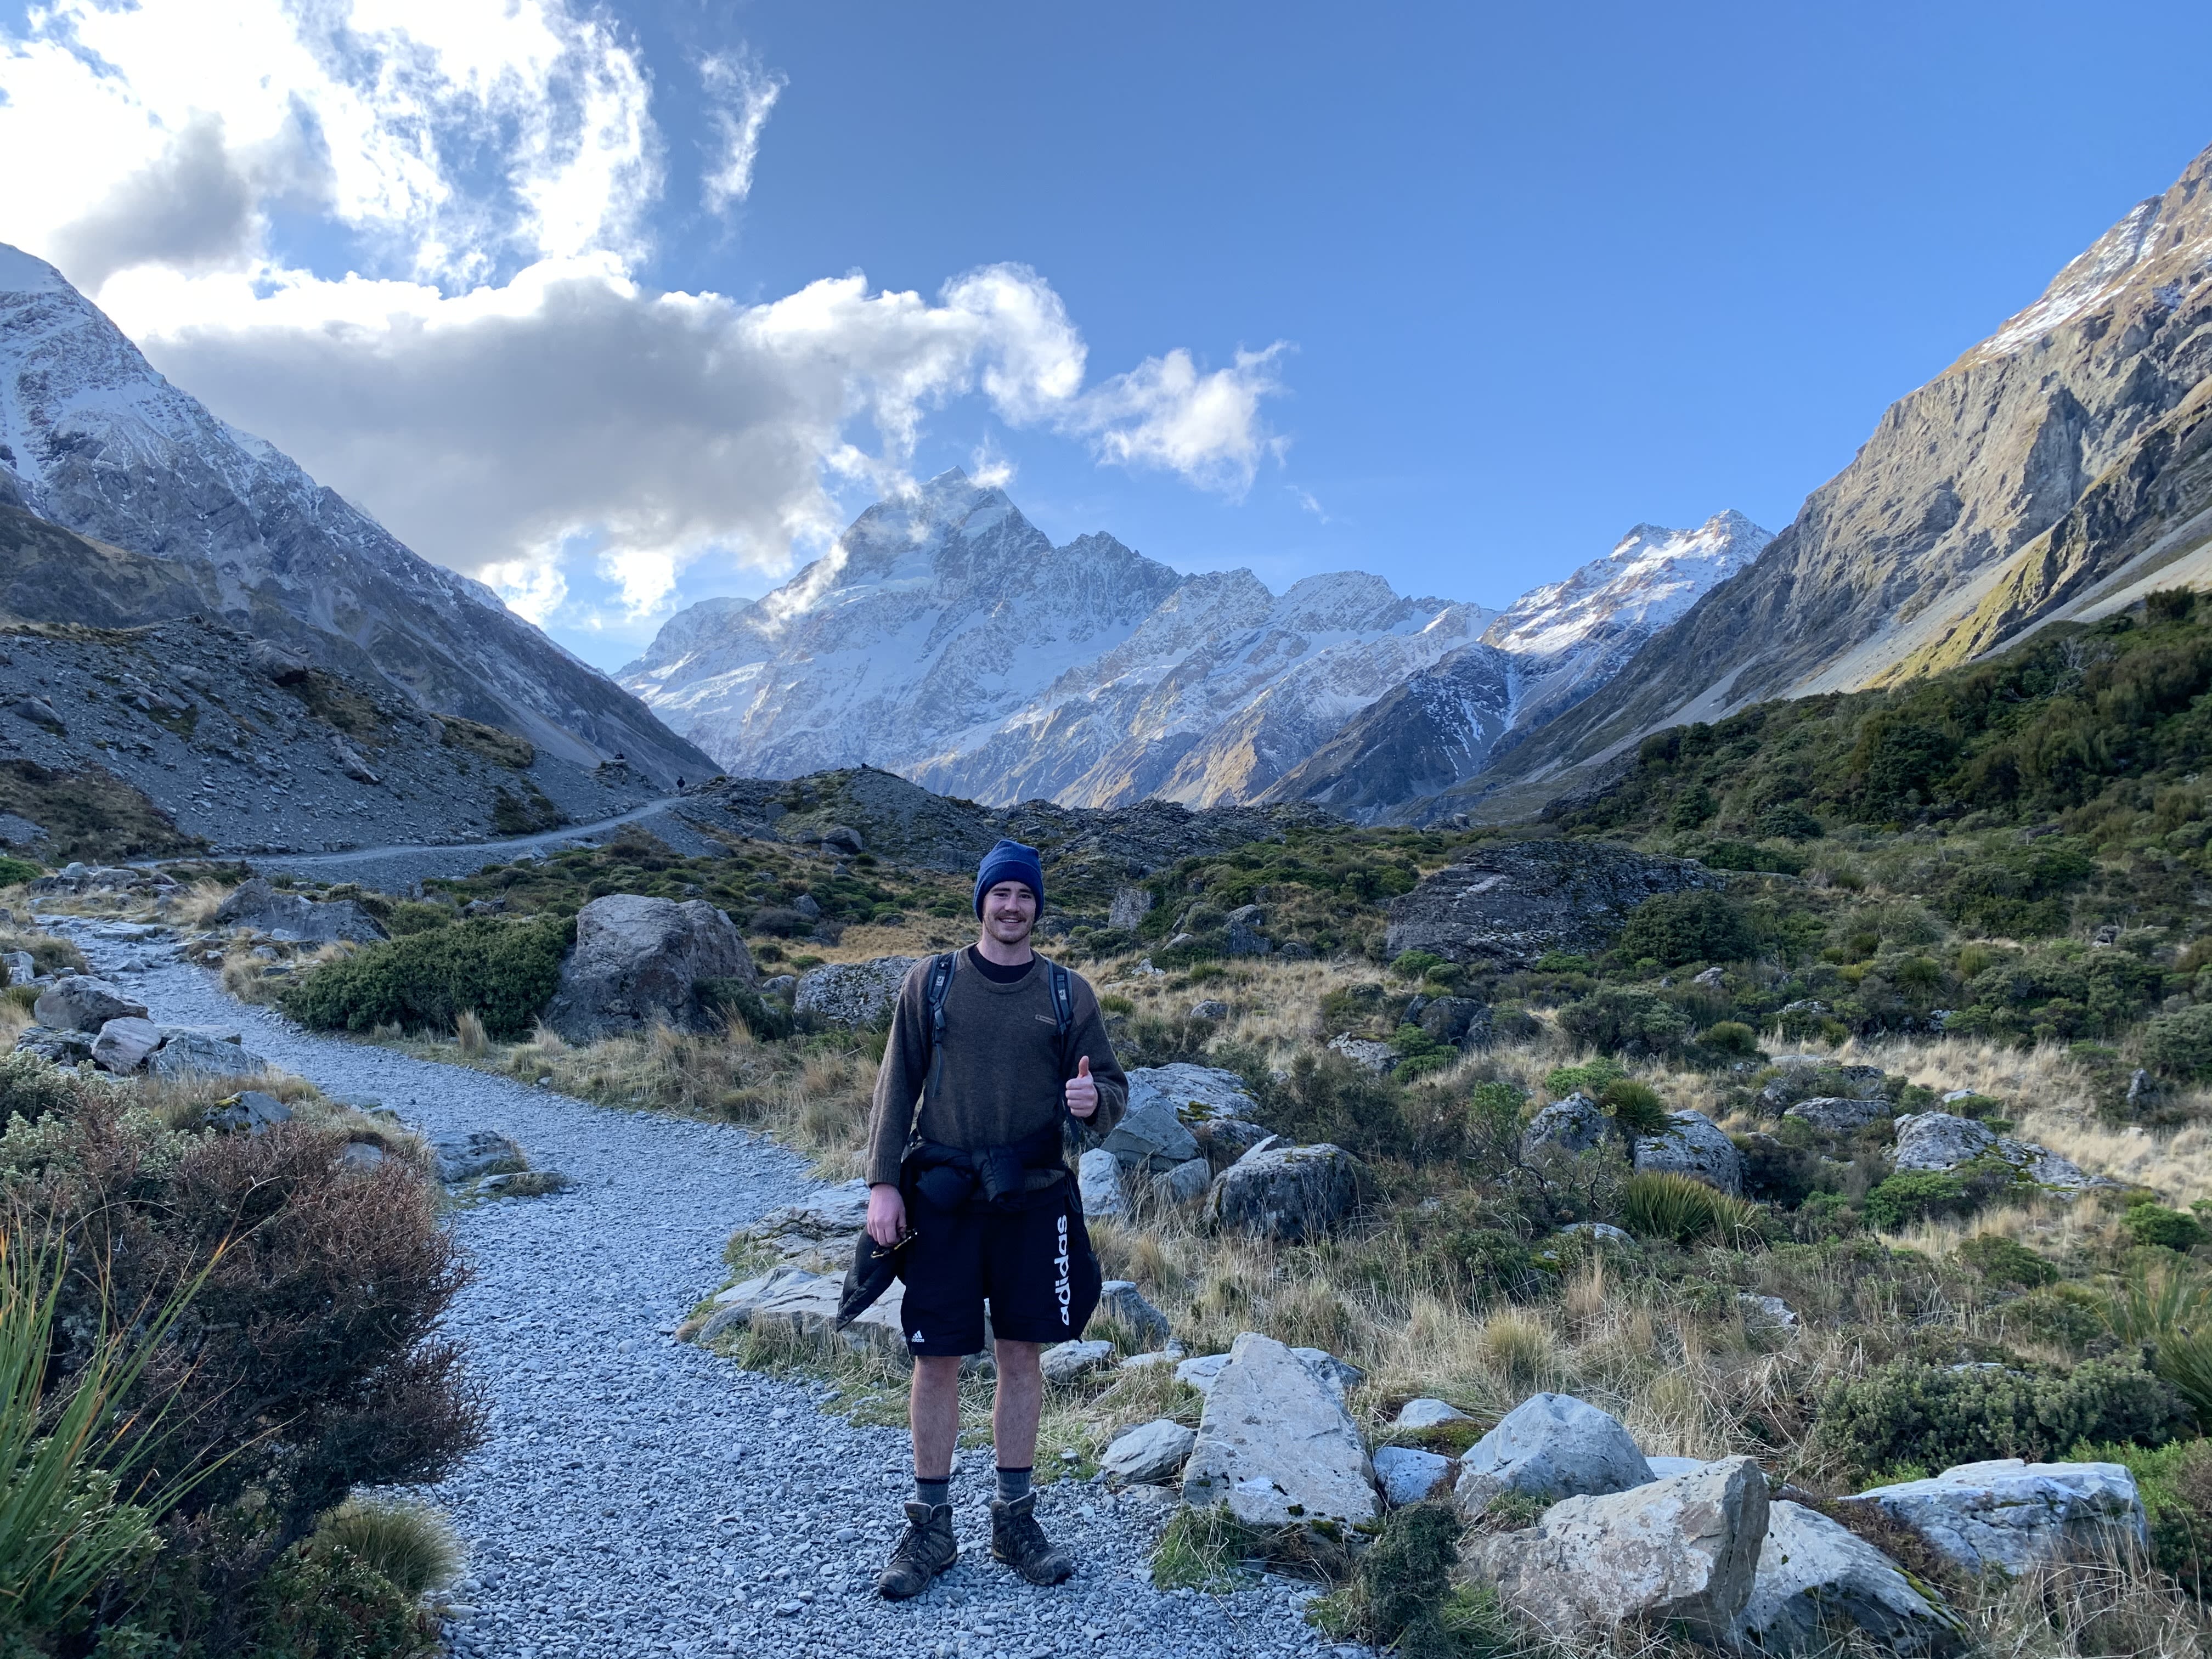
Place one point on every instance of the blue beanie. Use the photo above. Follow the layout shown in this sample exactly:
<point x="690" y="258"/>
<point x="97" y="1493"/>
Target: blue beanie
<point x="1011" y="861"/>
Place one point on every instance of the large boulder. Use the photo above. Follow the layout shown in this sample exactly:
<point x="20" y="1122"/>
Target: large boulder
<point x="1681" y="1550"/>
<point x="1285" y="1193"/>
<point x="464" y="1154"/>
<point x="1550" y="1445"/>
<point x="56" y="1048"/>
<point x="854" y="993"/>
<point x="1833" y="1115"/>
<point x="1099" y="1180"/>
<point x="638" y="963"/>
<point x="1122" y="1302"/>
<point x="264" y="909"/>
<point x="1276" y="1444"/>
<point x="1573" y="1124"/>
<point x="1941" y="1141"/>
<point x="803" y="1310"/>
<point x="1196" y="1094"/>
<point x="122" y="1044"/>
<point x="1817" y="1580"/>
<point x="1408" y="1474"/>
<point x="78" y="1002"/>
<point x="1694" y="1145"/>
<point x="188" y="1052"/>
<point x="2005" y="1514"/>
<point x="1508" y="905"/>
<point x="1151" y="1134"/>
<point x="1150" y="1453"/>
<point x="1463" y="1021"/>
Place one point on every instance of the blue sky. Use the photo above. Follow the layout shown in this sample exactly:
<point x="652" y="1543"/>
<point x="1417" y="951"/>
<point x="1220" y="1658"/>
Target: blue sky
<point x="1536" y="275"/>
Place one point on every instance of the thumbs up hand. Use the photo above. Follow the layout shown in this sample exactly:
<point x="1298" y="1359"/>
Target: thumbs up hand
<point x="1082" y="1089"/>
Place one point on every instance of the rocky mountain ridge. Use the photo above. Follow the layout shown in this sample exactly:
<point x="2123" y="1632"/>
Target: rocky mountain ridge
<point x="946" y="639"/>
<point x="2060" y="468"/>
<point x="95" y="440"/>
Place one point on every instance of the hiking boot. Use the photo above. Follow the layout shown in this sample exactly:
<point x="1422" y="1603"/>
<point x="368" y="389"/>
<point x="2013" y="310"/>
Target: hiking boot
<point x="925" y="1549"/>
<point x="1018" y="1540"/>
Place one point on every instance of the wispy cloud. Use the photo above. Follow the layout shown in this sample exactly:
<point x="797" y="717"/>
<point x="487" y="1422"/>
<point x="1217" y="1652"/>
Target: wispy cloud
<point x="1306" y="502"/>
<point x="744" y="95"/>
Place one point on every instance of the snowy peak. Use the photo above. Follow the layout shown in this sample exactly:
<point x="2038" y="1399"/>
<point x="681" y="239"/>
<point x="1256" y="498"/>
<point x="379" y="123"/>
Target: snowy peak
<point x="1652" y="575"/>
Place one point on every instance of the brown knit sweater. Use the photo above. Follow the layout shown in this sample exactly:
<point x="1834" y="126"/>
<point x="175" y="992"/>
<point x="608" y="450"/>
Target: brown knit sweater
<point x="1002" y="1078"/>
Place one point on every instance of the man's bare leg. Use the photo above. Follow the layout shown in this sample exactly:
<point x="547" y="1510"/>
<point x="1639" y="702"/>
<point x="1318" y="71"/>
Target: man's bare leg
<point x="1018" y="1402"/>
<point x="934" y="1410"/>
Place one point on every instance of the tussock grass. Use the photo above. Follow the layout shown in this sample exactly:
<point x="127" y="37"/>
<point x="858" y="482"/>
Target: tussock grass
<point x="411" y="1544"/>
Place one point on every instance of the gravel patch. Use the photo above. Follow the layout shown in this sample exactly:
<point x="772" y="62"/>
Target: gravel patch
<point x="640" y="1497"/>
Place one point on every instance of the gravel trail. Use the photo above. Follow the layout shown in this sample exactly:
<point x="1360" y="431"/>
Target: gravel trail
<point x="638" y="1497"/>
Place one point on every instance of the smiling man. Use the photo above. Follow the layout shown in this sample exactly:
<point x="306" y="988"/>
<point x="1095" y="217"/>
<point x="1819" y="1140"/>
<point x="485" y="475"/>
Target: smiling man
<point x="1000" y="1050"/>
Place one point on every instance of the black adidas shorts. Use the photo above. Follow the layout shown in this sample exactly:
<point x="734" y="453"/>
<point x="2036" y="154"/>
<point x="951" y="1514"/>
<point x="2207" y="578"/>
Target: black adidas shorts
<point x="1027" y="1263"/>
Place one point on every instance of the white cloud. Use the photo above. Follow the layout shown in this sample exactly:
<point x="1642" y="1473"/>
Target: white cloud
<point x="480" y="368"/>
<point x="745" y="95"/>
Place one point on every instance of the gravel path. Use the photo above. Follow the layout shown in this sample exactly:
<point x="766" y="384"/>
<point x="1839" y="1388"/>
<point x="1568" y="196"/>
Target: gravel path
<point x="640" y="1497"/>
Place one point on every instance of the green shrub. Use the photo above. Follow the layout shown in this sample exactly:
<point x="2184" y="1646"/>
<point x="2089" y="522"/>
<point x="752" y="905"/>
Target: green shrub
<point x="330" y="1604"/>
<point x="31" y="1089"/>
<point x="2185" y="1360"/>
<point x="1627" y="1021"/>
<point x="413" y="916"/>
<point x="1912" y="1195"/>
<point x="1731" y="1038"/>
<point x="1682" y="1210"/>
<point x="1396" y="1596"/>
<point x="2004" y="1261"/>
<point x="2175" y="1484"/>
<point x="13" y="870"/>
<point x="1934" y="1417"/>
<point x="2154" y="1223"/>
<point x="1327" y="1097"/>
<point x="2180" y="1044"/>
<point x="1635" y="1107"/>
<point x="1786" y="822"/>
<point x="770" y="1019"/>
<point x="1590" y="1078"/>
<point x="409" y="1545"/>
<point x="1674" y="928"/>
<point x="2063" y="1315"/>
<point x="504" y="970"/>
<point x="1562" y="961"/>
<point x="1416" y="964"/>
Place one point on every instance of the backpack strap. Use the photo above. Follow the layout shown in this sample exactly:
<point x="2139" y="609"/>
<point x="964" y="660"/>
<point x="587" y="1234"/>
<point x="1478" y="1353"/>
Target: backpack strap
<point x="933" y="990"/>
<point x="1063" y="1000"/>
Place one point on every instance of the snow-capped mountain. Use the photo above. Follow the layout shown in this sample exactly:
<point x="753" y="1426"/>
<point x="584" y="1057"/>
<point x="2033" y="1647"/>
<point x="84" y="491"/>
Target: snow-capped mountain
<point x="92" y="439"/>
<point x="1547" y="651"/>
<point x="946" y="638"/>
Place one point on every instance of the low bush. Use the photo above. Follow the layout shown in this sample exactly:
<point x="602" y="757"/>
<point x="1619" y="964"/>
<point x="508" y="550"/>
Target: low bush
<point x="1625" y="1020"/>
<point x="1395" y="1599"/>
<point x="1912" y="1195"/>
<point x="407" y="1544"/>
<point x="2003" y="1260"/>
<point x="770" y="1019"/>
<point x="1730" y="1039"/>
<point x="1675" y="928"/>
<point x="1934" y="1416"/>
<point x="2154" y="1223"/>
<point x="504" y="970"/>
<point x="2180" y="1044"/>
<point x="1327" y="1097"/>
<point x="1681" y="1209"/>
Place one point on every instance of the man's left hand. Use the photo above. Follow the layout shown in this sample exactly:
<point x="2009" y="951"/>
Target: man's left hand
<point x="1082" y="1089"/>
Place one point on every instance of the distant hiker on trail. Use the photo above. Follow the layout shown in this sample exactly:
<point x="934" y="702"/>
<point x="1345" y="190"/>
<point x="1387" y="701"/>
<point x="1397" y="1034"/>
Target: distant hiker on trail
<point x="1004" y="1051"/>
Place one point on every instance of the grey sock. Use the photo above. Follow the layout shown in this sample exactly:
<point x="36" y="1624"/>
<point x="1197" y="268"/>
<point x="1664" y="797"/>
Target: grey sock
<point x="933" y="1492"/>
<point x="1013" y="1484"/>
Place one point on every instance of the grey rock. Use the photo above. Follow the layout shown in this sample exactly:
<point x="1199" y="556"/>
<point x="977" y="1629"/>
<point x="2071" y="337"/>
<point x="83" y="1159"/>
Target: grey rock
<point x="1409" y="1475"/>
<point x="1767" y="1310"/>
<point x="853" y="994"/>
<point x="277" y="664"/>
<point x="1098" y="1179"/>
<point x="733" y="1308"/>
<point x="1276" y="1445"/>
<point x="251" y="1110"/>
<point x="803" y="1309"/>
<point x="1201" y="1371"/>
<point x="464" y="1154"/>
<point x="1550" y="1445"/>
<point x="16" y="831"/>
<point x="637" y="963"/>
<point x="1461" y="1021"/>
<point x="1149" y="1453"/>
<point x="1130" y="907"/>
<point x="1212" y="1008"/>
<point x="1938" y="1141"/>
<point x="1817" y="1579"/>
<point x="349" y="761"/>
<point x="1602" y="1232"/>
<point x="1150" y="1135"/>
<point x="38" y="712"/>
<point x="781" y="985"/>
<point x="22" y="967"/>
<point x="1286" y="1193"/>
<point x="56" y="1047"/>
<point x="1835" y="1116"/>
<point x="194" y="1054"/>
<point x="820" y="1230"/>
<point x="1710" y="977"/>
<point x="1684" y="1551"/>
<point x="1187" y="1182"/>
<point x="808" y="906"/>
<point x="359" y="1156"/>
<point x="1226" y="1139"/>
<point x="1802" y="1074"/>
<point x="1693" y="1146"/>
<point x="1508" y="905"/>
<point x="122" y="1044"/>
<point x="1666" y="1469"/>
<point x="843" y="838"/>
<point x="1426" y="1413"/>
<point x="1339" y="1375"/>
<point x="1122" y="1302"/>
<point x="1196" y="1094"/>
<point x="2006" y="1515"/>
<point x="1366" y="1053"/>
<point x="287" y="916"/>
<point x="78" y="1002"/>
<point x="1245" y="938"/>
<point x="1066" y="1361"/>
<point x="1573" y="1124"/>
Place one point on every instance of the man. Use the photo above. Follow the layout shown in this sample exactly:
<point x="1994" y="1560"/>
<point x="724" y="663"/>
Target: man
<point x="976" y="1181"/>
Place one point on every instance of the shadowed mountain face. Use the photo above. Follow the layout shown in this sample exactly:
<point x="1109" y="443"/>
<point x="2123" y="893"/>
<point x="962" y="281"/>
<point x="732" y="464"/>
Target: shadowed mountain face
<point x="93" y="440"/>
<point x="2058" y="469"/>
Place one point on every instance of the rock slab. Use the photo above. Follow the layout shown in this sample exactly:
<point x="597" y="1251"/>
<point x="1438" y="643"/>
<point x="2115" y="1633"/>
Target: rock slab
<point x="1696" y="1146"/>
<point x="637" y="963"/>
<point x="2006" y="1515"/>
<point x="1685" y="1550"/>
<point x="1150" y="1453"/>
<point x="1409" y="1475"/>
<point x="288" y="916"/>
<point x="1550" y="1445"/>
<point x="853" y="994"/>
<point x="1285" y="1193"/>
<point x="78" y="1002"/>
<point x="1509" y="905"/>
<point x="1817" y="1579"/>
<point x="1276" y="1444"/>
